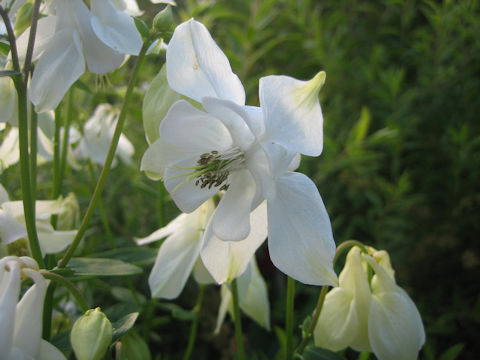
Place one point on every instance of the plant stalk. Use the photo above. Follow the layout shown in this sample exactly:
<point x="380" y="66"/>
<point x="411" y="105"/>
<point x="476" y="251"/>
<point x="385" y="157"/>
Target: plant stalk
<point x="290" y="308"/>
<point x="238" y="321"/>
<point x="194" y="327"/>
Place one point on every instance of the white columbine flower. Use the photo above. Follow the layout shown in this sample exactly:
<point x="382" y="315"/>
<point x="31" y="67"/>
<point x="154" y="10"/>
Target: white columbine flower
<point x="248" y="151"/>
<point x="21" y="322"/>
<point x="185" y="250"/>
<point x="97" y="136"/>
<point x="375" y="316"/>
<point x="73" y="37"/>
<point x="12" y="223"/>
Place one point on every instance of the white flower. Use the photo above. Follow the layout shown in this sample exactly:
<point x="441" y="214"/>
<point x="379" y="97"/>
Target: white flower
<point x="8" y="101"/>
<point x="21" y="323"/>
<point x="131" y="6"/>
<point x="12" y="224"/>
<point x="248" y="151"/>
<point x="375" y="316"/>
<point x="73" y="37"/>
<point x="185" y="250"/>
<point x="97" y="136"/>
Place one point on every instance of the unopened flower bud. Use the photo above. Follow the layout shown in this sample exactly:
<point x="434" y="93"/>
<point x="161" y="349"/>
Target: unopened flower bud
<point x="163" y="21"/>
<point x="23" y="18"/>
<point x="91" y="335"/>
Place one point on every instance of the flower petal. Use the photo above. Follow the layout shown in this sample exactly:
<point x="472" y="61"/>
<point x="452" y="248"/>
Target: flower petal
<point x="157" y="101"/>
<point x="175" y="261"/>
<point x="10" y="290"/>
<point x="234" y="117"/>
<point x="172" y="226"/>
<point x="115" y="28"/>
<point x="194" y="130"/>
<point x="10" y="228"/>
<point x="49" y="352"/>
<point x="158" y="156"/>
<point x="29" y="314"/>
<point x="197" y="67"/>
<point x="43" y="37"/>
<point x="231" y="221"/>
<point x="300" y="238"/>
<point x="338" y="324"/>
<point x="292" y="112"/>
<point x="59" y="67"/>
<point x="55" y="241"/>
<point x="186" y="195"/>
<point x="226" y="260"/>
<point x="8" y="101"/>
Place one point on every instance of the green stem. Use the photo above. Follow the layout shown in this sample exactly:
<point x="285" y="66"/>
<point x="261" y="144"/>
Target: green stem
<point x="56" y="154"/>
<point x="345" y="246"/>
<point x="289" y="316"/>
<point x="101" y="208"/>
<point x="47" y="313"/>
<point x="11" y="39"/>
<point x="66" y="134"/>
<point x="238" y="321"/>
<point x="108" y="161"/>
<point x="33" y="152"/>
<point x="69" y="286"/>
<point x="31" y="41"/>
<point x="194" y="327"/>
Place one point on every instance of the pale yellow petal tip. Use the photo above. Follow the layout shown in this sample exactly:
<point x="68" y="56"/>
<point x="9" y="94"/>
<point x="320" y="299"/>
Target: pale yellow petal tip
<point x="319" y="79"/>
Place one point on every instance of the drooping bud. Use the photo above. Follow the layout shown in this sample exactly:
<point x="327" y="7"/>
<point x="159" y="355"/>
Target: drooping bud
<point x="163" y="21"/>
<point x="91" y="335"/>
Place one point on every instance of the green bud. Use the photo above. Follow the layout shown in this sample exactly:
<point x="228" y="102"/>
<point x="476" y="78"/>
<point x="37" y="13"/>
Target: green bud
<point x="91" y="335"/>
<point x="133" y="347"/>
<point x="69" y="213"/>
<point x="163" y="21"/>
<point x="23" y="18"/>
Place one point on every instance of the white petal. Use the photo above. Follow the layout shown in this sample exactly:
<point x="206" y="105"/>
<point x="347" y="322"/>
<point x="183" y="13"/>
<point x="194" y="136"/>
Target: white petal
<point x="253" y="295"/>
<point x="129" y="6"/>
<point x="172" y="226"/>
<point x="44" y="35"/>
<point x="58" y="68"/>
<point x="158" y="156"/>
<point x="8" y="101"/>
<point x="255" y="120"/>
<point x="9" y="149"/>
<point x="49" y="352"/>
<point x="115" y="28"/>
<point x="201" y="274"/>
<point x="157" y="101"/>
<point x="10" y="286"/>
<point x="226" y="260"/>
<point x="197" y="67"/>
<point x="292" y="112"/>
<point x="225" y="304"/>
<point x="11" y="229"/>
<point x="194" y="130"/>
<point x="3" y="195"/>
<point x="186" y="195"/>
<point x="174" y="263"/>
<point x="100" y="57"/>
<point x="56" y="241"/>
<point x="235" y="119"/>
<point x="338" y="324"/>
<point x="28" y="322"/>
<point x="300" y="238"/>
<point x="169" y="2"/>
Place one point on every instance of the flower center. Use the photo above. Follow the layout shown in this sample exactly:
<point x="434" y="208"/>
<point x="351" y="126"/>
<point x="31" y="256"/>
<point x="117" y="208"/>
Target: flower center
<point x="213" y="168"/>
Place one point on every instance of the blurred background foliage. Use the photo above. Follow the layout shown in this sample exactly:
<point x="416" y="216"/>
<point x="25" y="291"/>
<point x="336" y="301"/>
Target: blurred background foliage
<point x="400" y="169"/>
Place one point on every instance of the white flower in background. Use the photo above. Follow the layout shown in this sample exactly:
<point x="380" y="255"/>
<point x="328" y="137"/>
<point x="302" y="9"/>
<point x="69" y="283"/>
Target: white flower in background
<point x="9" y="149"/>
<point x="21" y="321"/>
<point x="12" y="223"/>
<point x="131" y="6"/>
<point x="185" y="250"/>
<point x="8" y="101"/>
<point x="253" y="298"/>
<point x="98" y="134"/>
<point x="73" y="37"/>
<point x="375" y="316"/>
<point x="250" y="152"/>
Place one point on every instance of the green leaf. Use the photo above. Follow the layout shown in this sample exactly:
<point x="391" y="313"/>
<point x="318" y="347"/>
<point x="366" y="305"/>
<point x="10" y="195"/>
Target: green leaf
<point x="123" y="325"/>
<point x="134" y="255"/>
<point x="178" y="312"/>
<point x="62" y="341"/>
<point x="142" y="27"/>
<point x="4" y="48"/>
<point x="359" y="131"/>
<point x="453" y="352"/>
<point x="102" y="267"/>
<point x="316" y="353"/>
<point x="10" y="73"/>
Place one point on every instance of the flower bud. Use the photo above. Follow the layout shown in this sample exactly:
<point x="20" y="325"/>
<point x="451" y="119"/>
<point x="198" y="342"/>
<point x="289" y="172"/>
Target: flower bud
<point x="91" y="335"/>
<point x="23" y="18"/>
<point x="163" y="21"/>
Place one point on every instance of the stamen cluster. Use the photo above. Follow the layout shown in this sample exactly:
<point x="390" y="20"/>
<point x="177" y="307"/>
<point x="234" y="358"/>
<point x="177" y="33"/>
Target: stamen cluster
<point x="214" y="167"/>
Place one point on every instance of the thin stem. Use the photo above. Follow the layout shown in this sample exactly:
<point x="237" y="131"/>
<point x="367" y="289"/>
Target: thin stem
<point x="194" y="327"/>
<point x="66" y="134"/>
<point x="316" y="315"/>
<point x="31" y="41"/>
<point x="238" y="321"/>
<point x="108" y="161"/>
<point x="47" y="313"/>
<point x="11" y="39"/>
<point x="56" y="154"/>
<point x="33" y="152"/>
<point x="289" y="316"/>
<point x="101" y="207"/>
<point x="347" y="245"/>
<point x="69" y="286"/>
